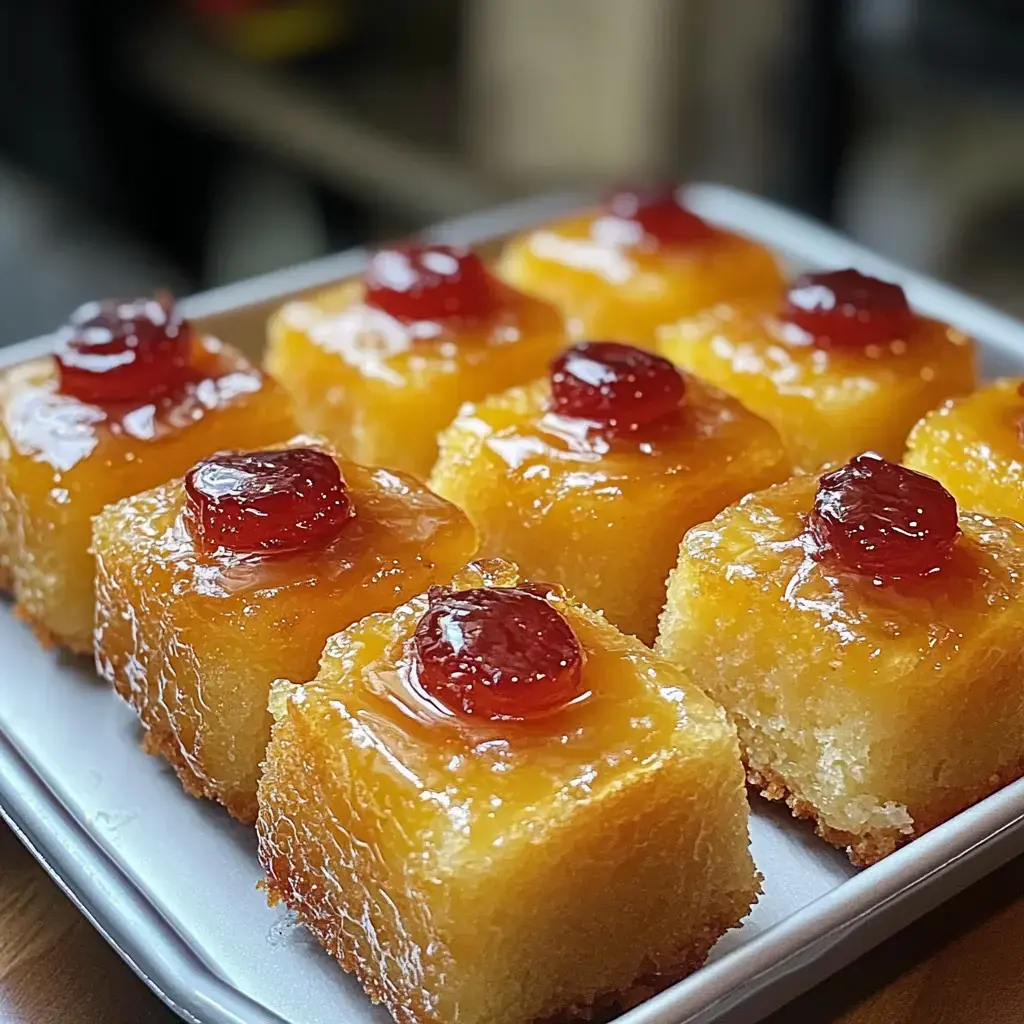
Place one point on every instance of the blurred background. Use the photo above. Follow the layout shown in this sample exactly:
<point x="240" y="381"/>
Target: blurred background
<point x="188" y="143"/>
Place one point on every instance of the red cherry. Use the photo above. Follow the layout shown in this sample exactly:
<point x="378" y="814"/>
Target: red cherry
<point x="431" y="282"/>
<point x="881" y="519"/>
<point x="502" y="653"/>
<point x="661" y="217"/>
<point x="616" y="385"/>
<point x="846" y="308"/>
<point x="123" y="351"/>
<point x="266" y="502"/>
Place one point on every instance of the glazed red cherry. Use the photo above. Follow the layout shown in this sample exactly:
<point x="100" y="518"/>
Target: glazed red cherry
<point x="431" y="282"/>
<point x="848" y="309"/>
<point x="883" y="520"/>
<point x="501" y="653"/>
<point x="273" y="502"/>
<point x="123" y="351"/>
<point x="615" y="385"/>
<point x="661" y="217"/>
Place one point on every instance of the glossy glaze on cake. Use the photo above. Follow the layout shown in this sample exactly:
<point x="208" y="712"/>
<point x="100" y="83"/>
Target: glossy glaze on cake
<point x="380" y="365"/>
<point x="198" y="611"/>
<point x="975" y="446"/>
<point x="525" y="857"/>
<point x="833" y="361"/>
<point x="564" y="482"/>
<point x="874" y="673"/>
<point x="634" y="264"/>
<point x="64" y="457"/>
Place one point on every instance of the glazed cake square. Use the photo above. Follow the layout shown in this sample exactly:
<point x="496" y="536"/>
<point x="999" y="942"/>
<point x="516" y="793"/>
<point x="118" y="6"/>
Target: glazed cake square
<point x="972" y="446"/>
<point x="828" y="401"/>
<point x="505" y="871"/>
<point x="603" y="520"/>
<point x="877" y="710"/>
<point x="380" y="387"/>
<point x="193" y="639"/>
<point x="622" y="270"/>
<point x="62" y="460"/>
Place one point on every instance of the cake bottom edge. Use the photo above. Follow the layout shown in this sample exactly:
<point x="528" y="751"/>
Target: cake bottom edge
<point x="871" y="846"/>
<point x="651" y="981"/>
<point x="47" y="638"/>
<point x="160" y="741"/>
<point x="602" y="1009"/>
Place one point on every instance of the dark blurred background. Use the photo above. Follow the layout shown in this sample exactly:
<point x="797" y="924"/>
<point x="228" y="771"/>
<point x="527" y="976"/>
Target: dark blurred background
<point x="188" y="143"/>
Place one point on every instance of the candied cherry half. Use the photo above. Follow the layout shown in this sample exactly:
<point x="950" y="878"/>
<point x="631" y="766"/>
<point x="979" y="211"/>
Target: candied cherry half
<point x="431" y="282"/>
<point x="849" y="309"/>
<point x="499" y="653"/>
<point x="883" y="520"/>
<point x="661" y="217"/>
<point x="273" y="502"/>
<point x="123" y="351"/>
<point x="618" y="386"/>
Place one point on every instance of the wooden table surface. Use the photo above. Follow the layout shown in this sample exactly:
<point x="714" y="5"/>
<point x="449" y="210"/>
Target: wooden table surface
<point x="964" y="964"/>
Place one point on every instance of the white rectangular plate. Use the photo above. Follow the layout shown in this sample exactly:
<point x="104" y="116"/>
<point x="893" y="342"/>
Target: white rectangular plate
<point x="171" y="881"/>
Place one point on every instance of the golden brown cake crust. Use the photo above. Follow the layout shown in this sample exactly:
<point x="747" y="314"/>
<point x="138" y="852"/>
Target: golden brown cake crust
<point x="302" y="892"/>
<point x="429" y="947"/>
<point x="159" y="741"/>
<point x="868" y="848"/>
<point x="648" y="984"/>
<point x="604" y="1008"/>
<point x="862" y="850"/>
<point x="46" y="637"/>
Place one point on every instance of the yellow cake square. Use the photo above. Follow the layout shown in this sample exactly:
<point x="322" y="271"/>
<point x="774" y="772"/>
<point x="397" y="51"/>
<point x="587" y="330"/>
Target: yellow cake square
<point x="624" y="269"/>
<point x="192" y="637"/>
<point x="974" y="446"/>
<point x="379" y="370"/>
<point x="62" y="459"/>
<point x="829" y="399"/>
<point x="602" y="515"/>
<point x="496" y="871"/>
<point x="879" y="708"/>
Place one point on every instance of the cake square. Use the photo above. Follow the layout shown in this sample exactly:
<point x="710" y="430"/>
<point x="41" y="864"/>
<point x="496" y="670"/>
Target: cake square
<point x="192" y="637"/>
<point x="973" y="447"/>
<point x="603" y="514"/>
<point x="834" y="381"/>
<point x="63" y="458"/>
<point x="379" y="367"/>
<point x="501" y="871"/>
<point x="879" y="708"/>
<point x="626" y="268"/>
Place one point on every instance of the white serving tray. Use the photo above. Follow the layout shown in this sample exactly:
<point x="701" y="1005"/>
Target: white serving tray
<point x="171" y="882"/>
